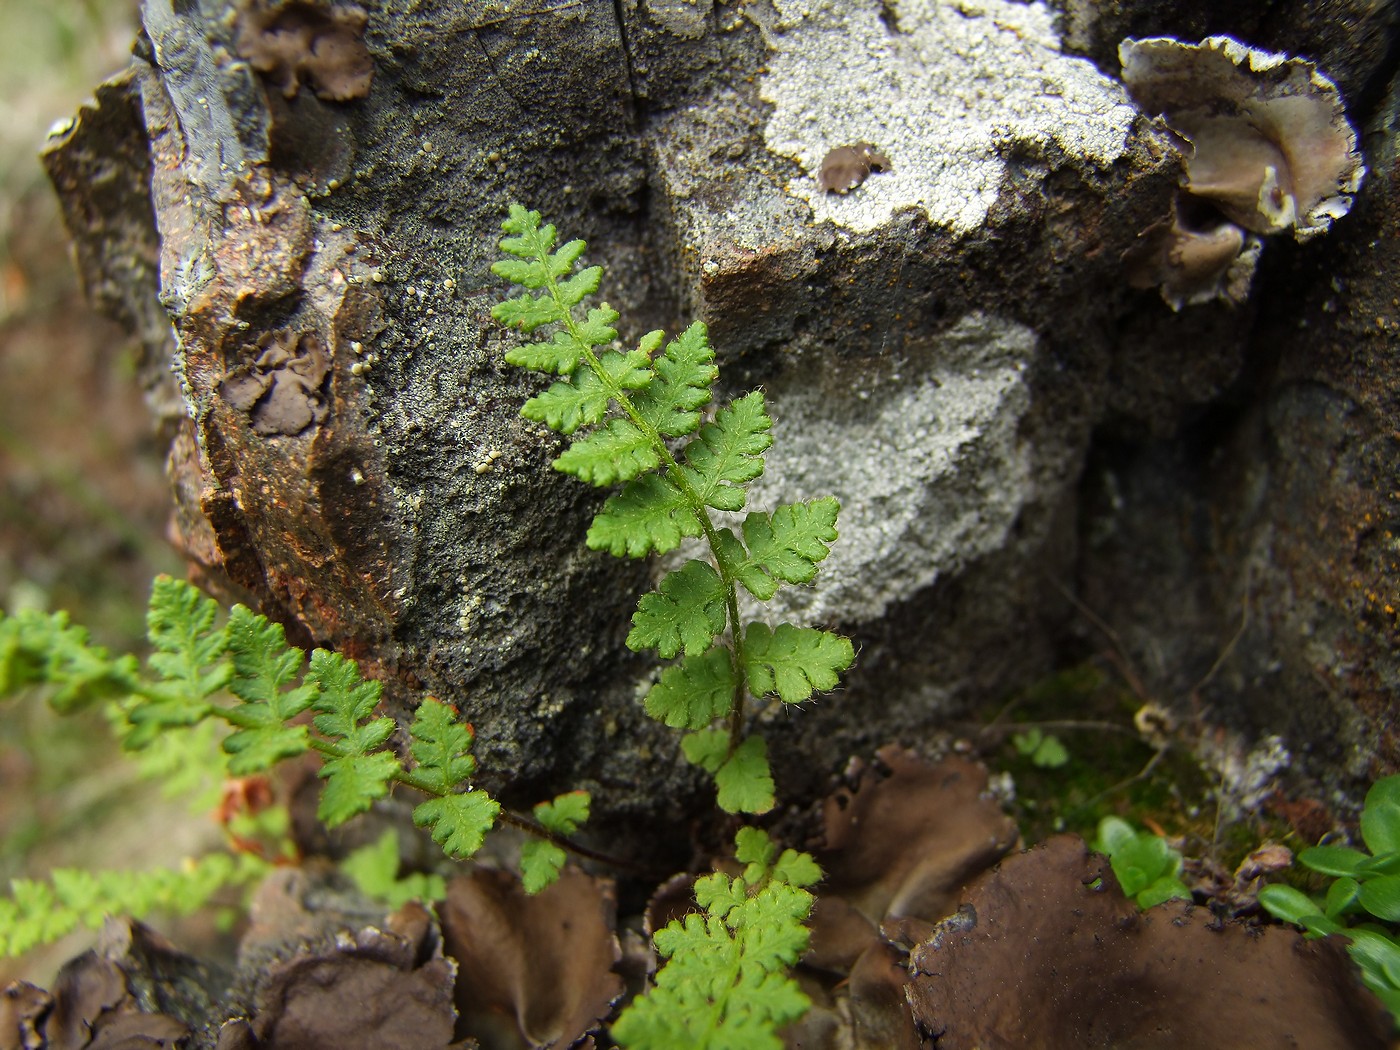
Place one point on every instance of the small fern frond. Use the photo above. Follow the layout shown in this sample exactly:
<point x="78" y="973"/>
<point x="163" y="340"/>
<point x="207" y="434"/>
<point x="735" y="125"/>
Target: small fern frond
<point x="687" y="611"/>
<point x="45" y="650"/>
<point x="728" y="452"/>
<point x="40" y="912"/>
<point x="695" y="692"/>
<point x="794" y="662"/>
<point x="265" y="669"/>
<point x="622" y="411"/>
<point x="442" y="748"/>
<point x="541" y="860"/>
<point x="725" y="983"/>
<point x="743" y="779"/>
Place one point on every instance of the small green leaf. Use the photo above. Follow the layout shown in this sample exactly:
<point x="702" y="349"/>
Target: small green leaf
<point x="565" y="813"/>
<point x="558" y="355"/>
<point x="793" y="661"/>
<point x="1334" y="860"/>
<point x="264" y="668"/>
<point x="615" y="452"/>
<point x="353" y="784"/>
<point x="789" y="543"/>
<point x="458" y="823"/>
<point x="1162" y="890"/>
<point x="753" y="847"/>
<point x="1341" y="895"/>
<point x="528" y="312"/>
<point x="728" y="452"/>
<point x="375" y="870"/>
<point x="540" y="864"/>
<point x="1381" y="897"/>
<point x="1288" y="904"/>
<point x="1376" y="953"/>
<point x="441" y="746"/>
<point x="693" y="693"/>
<point x="686" y="612"/>
<point x="649" y="516"/>
<point x="1380" y="819"/>
<point x="744" y="779"/>
<point x="797" y="869"/>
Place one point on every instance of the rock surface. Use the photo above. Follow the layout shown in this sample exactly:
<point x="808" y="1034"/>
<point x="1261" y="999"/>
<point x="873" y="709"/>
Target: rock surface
<point x="950" y="348"/>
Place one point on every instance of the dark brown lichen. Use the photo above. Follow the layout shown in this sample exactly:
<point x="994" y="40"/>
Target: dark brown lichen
<point x="297" y="41"/>
<point x="846" y="167"/>
<point x="282" y="389"/>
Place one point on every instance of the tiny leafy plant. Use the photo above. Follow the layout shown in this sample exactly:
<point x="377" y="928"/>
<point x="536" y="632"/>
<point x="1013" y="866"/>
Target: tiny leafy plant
<point x="1363" y="901"/>
<point x="726" y="982"/>
<point x="1045" y="750"/>
<point x="242" y="673"/>
<point x="1146" y="867"/>
<point x="638" y="418"/>
<point x="375" y="870"/>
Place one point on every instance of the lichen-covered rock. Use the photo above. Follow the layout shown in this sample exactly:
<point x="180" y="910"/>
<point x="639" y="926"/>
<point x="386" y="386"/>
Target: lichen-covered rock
<point x="941" y="345"/>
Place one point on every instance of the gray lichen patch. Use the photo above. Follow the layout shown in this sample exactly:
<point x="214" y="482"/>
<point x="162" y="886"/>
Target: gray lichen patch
<point x="929" y="468"/>
<point x="939" y="95"/>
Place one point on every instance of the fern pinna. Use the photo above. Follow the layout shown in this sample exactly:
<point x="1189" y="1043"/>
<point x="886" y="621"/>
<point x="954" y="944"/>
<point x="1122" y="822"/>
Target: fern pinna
<point x="624" y="409"/>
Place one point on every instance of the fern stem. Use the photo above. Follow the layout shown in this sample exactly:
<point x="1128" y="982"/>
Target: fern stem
<point x="697" y="506"/>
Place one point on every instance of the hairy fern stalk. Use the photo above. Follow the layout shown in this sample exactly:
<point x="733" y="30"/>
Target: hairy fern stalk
<point x="624" y="410"/>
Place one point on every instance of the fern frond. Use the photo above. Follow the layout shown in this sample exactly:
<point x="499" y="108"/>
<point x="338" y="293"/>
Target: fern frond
<point x="633" y="403"/>
<point x="743" y="780"/>
<point x="651" y="515"/>
<point x="686" y="612"/>
<point x="40" y="912"/>
<point x="724" y="984"/>
<point x="359" y="774"/>
<point x="541" y="860"/>
<point x="44" y="649"/>
<point x="684" y="375"/>
<point x="442" y="748"/>
<point x="793" y="661"/>
<point x="264" y="670"/>
<point x="693" y="693"/>
<point x="188" y="658"/>
<point x="728" y="452"/>
<point x="612" y="453"/>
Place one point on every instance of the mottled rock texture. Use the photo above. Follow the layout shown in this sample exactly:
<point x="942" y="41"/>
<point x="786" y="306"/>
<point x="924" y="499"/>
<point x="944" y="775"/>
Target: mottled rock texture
<point x="950" y="348"/>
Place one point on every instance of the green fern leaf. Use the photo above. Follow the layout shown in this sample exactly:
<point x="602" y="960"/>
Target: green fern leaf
<point x="649" y="516"/>
<point x="43" y="649"/>
<point x="790" y="542"/>
<point x="612" y="453"/>
<point x="686" y="612"/>
<point x="724" y="986"/>
<point x="441" y="746"/>
<point x="793" y="661"/>
<point x="188" y="647"/>
<point x="540" y="865"/>
<point x="741" y="567"/>
<point x="744" y="779"/>
<point x="541" y="860"/>
<point x="560" y="355"/>
<point x="580" y="286"/>
<point x="693" y="693"/>
<point x="188" y="661"/>
<point x="458" y="823"/>
<point x="683" y="378"/>
<point x="345" y="700"/>
<point x="264" y="665"/>
<point x="729" y="452"/>
<point x="530" y="240"/>
<point x="583" y="400"/>
<point x="375" y="870"/>
<point x="353" y="784"/>
<point x="565" y="813"/>
<point x="528" y="312"/>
